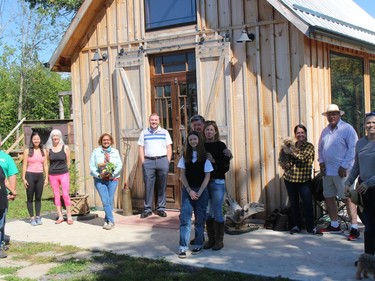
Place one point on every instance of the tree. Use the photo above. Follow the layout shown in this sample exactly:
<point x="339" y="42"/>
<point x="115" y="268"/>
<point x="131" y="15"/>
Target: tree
<point x="56" y="8"/>
<point x="27" y="89"/>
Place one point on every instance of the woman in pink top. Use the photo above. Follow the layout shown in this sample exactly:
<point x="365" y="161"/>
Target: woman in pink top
<point x="34" y="176"/>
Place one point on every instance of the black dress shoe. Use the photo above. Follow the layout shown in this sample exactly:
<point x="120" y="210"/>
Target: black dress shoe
<point x="145" y="214"/>
<point x="161" y="213"/>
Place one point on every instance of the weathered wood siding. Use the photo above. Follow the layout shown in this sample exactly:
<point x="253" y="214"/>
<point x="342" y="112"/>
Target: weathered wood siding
<point x="262" y="89"/>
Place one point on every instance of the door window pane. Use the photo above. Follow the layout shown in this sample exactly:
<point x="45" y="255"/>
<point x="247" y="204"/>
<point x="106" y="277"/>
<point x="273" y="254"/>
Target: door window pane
<point x="372" y="85"/>
<point x="347" y="88"/>
<point x="166" y="13"/>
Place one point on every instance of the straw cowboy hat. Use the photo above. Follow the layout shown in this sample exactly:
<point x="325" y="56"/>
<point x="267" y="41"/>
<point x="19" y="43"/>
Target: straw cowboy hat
<point x="333" y="108"/>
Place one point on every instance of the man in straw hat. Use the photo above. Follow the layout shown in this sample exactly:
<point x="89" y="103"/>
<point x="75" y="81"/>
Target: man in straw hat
<point x="336" y="153"/>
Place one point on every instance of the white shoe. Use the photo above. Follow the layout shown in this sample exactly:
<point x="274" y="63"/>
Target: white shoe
<point x="109" y="226"/>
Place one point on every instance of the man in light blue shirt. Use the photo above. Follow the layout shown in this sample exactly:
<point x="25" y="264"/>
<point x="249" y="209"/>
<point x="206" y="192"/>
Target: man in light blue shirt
<point x="336" y="152"/>
<point x="155" y="153"/>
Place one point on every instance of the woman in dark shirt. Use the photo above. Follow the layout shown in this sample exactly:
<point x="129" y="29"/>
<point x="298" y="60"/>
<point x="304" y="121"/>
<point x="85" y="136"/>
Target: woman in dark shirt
<point x="216" y="186"/>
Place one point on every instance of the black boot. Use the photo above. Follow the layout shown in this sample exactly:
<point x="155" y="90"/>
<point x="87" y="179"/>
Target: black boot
<point x="369" y="243"/>
<point x="219" y="236"/>
<point x="210" y="233"/>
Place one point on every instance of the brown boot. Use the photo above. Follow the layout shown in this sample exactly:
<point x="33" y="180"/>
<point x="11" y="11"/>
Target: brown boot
<point x="219" y="236"/>
<point x="210" y="233"/>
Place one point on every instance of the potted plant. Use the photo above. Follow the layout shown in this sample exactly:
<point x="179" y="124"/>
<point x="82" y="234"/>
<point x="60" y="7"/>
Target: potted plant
<point x="79" y="201"/>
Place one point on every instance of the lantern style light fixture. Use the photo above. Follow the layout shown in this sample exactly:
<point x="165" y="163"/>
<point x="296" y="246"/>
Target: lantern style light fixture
<point x="98" y="58"/>
<point x="246" y="37"/>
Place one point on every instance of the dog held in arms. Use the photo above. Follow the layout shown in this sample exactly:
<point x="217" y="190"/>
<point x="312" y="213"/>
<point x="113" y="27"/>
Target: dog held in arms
<point x="287" y="149"/>
<point x="365" y="265"/>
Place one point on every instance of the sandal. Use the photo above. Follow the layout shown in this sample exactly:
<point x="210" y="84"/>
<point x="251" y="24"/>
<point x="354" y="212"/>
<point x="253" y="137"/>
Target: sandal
<point x="69" y="221"/>
<point x="59" y="220"/>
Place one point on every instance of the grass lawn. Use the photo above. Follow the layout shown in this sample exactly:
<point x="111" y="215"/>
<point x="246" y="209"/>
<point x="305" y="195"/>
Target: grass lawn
<point x="106" y="266"/>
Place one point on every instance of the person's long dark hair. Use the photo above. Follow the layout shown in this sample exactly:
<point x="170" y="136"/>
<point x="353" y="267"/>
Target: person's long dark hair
<point x="201" y="151"/>
<point x="31" y="145"/>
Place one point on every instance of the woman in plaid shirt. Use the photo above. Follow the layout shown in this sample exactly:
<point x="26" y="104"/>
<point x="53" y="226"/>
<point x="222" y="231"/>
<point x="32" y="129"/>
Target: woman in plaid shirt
<point x="297" y="178"/>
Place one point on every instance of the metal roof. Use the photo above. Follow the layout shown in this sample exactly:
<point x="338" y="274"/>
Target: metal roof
<point x="335" y="18"/>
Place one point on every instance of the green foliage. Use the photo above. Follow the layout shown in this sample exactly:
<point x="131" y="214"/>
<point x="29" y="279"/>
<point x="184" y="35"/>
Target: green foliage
<point x="55" y="8"/>
<point x="74" y="178"/>
<point x="347" y="88"/>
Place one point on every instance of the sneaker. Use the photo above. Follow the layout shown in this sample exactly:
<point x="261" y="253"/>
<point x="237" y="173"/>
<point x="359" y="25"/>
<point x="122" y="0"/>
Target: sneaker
<point x="295" y="230"/>
<point x="2" y="254"/>
<point x="182" y="254"/>
<point x="331" y="229"/>
<point x="196" y="251"/>
<point x="354" y="234"/>
<point x="33" y="222"/>
<point x="109" y="226"/>
<point x="39" y="221"/>
<point x="105" y="225"/>
<point x="316" y="231"/>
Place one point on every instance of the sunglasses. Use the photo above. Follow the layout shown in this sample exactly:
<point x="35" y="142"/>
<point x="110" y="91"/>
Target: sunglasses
<point x="209" y="122"/>
<point x="370" y="114"/>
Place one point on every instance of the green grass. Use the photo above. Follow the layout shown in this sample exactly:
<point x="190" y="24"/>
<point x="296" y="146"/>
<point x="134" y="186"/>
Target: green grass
<point x="105" y="266"/>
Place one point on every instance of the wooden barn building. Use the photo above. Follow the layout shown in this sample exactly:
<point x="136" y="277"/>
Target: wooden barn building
<point x="129" y="58"/>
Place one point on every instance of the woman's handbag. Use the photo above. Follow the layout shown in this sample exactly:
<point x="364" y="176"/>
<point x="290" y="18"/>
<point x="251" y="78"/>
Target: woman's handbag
<point x="355" y="197"/>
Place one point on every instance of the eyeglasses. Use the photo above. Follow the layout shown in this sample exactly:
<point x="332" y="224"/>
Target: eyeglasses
<point x="370" y="114"/>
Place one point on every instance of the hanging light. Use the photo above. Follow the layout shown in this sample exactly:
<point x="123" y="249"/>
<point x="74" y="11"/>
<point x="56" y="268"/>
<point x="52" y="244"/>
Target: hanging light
<point x="246" y="37"/>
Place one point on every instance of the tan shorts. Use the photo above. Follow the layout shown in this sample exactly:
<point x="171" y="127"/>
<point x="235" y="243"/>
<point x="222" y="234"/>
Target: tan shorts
<point x="334" y="186"/>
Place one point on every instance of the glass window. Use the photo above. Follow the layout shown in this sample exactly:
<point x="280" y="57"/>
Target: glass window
<point x="372" y="85"/>
<point x="174" y="63"/>
<point x="347" y="88"/>
<point x="166" y="13"/>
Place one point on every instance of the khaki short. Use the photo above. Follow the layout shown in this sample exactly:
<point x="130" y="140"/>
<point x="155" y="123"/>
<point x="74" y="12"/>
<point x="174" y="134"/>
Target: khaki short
<point x="334" y="186"/>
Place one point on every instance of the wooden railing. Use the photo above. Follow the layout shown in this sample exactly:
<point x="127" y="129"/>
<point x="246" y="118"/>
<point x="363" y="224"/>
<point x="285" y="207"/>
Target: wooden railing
<point x="18" y="155"/>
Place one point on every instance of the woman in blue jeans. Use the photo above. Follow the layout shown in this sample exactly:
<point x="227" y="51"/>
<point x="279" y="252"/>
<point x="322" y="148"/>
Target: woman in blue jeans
<point x="106" y="179"/>
<point x="195" y="174"/>
<point x="216" y="186"/>
<point x="297" y="178"/>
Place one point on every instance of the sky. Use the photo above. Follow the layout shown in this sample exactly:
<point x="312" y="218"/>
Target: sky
<point x="367" y="5"/>
<point x="8" y="8"/>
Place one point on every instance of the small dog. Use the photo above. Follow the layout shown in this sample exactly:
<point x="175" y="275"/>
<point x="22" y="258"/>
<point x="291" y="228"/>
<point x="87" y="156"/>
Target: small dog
<point x="285" y="155"/>
<point x="366" y="264"/>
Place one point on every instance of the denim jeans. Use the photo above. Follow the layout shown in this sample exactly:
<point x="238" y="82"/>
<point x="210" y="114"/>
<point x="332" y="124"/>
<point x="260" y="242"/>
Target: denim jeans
<point x="216" y="191"/>
<point x="295" y="191"/>
<point x="187" y="207"/>
<point x="3" y="214"/>
<point x="106" y="190"/>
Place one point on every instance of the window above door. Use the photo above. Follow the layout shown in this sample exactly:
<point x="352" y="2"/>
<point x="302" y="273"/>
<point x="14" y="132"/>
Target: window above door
<point x="160" y="14"/>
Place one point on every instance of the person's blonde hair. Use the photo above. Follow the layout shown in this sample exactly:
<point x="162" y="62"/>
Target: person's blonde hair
<point x="54" y="132"/>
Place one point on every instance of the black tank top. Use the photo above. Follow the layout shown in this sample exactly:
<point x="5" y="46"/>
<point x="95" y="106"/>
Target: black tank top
<point x="57" y="162"/>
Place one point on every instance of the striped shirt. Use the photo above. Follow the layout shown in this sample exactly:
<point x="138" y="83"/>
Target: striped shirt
<point x="155" y="143"/>
<point x="301" y="164"/>
<point x="337" y="147"/>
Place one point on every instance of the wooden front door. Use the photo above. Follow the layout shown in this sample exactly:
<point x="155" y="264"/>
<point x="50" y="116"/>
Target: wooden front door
<point x="174" y="98"/>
